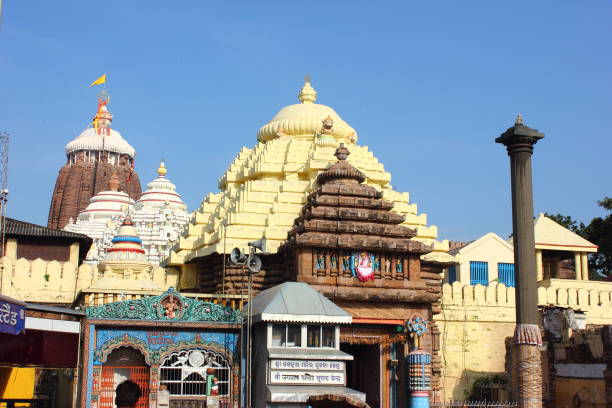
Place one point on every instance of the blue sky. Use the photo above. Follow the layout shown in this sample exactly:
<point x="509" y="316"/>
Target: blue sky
<point x="427" y="85"/>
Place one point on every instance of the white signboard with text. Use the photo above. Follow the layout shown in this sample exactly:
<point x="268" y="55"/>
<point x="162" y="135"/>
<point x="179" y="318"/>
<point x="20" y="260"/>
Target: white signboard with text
<point x="311" y="372"/>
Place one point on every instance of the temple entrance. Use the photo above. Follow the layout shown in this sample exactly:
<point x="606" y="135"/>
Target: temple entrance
<point x="124" y="363"/>
<point x="363" y="373"/>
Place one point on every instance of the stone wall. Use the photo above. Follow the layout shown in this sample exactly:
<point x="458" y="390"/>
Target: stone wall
<point x="476" y="320"/>
<point x="59" y="282"/>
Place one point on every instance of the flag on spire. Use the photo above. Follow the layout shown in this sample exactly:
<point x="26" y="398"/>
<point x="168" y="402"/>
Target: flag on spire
<point x="99" y="81"/>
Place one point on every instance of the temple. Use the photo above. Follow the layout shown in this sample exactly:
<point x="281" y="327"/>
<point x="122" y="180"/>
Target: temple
<point x="330" y="218"/>
<point x="264" y="189"/>
<point x="91" y="160"/>
<point x="159" y="215"/>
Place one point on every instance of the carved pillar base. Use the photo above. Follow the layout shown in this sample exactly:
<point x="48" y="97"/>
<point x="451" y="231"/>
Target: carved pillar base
<point x="606" y="337"/>
<point x="527" y="367"/>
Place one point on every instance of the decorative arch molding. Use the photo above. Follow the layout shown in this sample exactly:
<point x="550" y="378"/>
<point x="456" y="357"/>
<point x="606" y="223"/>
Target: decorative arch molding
<point x="186" y="345"/>
<point x="125" y="341"/>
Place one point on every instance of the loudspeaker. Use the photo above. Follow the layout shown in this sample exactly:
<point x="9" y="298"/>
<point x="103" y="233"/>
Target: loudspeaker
<point x="259" y="244"/>
<point x="254" y="263"/>
<point x="237" y="257"/>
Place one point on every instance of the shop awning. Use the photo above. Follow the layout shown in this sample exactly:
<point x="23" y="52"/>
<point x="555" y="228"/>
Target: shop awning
<point x="50" y="338"/>
<point x="301" y="393"/>
<point x="335" y="401"/>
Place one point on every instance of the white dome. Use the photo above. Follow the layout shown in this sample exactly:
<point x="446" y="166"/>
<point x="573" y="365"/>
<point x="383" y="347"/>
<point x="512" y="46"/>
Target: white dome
<point x="159" y="192"/>
<point x="89" y="139"/>
<point x="105" y="204"/>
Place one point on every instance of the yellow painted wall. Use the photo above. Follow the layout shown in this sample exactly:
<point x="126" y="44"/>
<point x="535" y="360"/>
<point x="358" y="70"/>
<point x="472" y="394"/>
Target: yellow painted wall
<point x="476" y="320"/>
<point x="17" y="382"/>
<point x="589" y="392"/>
<point x="55" y="282"/>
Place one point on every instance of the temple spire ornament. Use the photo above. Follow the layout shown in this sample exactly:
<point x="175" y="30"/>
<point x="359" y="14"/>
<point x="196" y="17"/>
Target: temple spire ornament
<point x="519" y="120"/>
<point x="161" y="170"/>
<point x="307" y="93"/>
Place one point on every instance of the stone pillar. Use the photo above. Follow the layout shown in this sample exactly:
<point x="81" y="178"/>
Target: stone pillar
<point x="539" y="267"/>
<point x="585" y="266"/>
<point x="606" y="337"/>
<point x="578" y="265"/>
<point x="519" y="141"/>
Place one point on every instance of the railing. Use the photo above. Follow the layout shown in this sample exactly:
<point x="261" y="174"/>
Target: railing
<point x="481" y="404"/>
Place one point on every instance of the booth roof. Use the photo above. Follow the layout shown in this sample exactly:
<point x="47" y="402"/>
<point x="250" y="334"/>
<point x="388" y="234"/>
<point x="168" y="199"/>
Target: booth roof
<point x="296" y="302"/>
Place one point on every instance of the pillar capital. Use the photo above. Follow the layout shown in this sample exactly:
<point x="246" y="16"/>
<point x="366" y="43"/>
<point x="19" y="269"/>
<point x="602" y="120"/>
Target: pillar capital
<point x="519" y="138"/>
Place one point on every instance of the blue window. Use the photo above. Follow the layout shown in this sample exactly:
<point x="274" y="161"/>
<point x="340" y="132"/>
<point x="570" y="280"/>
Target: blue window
<point x="452" y="274"/>
<point x="479" y="273"/>
<point x="505" y="272"/>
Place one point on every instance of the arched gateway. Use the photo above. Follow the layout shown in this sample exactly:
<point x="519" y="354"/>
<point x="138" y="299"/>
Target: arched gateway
<point x="171" y="346"/>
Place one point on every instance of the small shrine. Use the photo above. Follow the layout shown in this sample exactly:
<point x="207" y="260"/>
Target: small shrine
<point x="175" y="348"/>
<point x="159" y="216"/>
<point x="349" y="245"/>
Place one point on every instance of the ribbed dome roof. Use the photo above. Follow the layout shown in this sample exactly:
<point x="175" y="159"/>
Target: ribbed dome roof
<point x="105" y="204"/>
<point x="304" y="119"/>
<point x="90" y="140"/>
<point x="101" y="136"/>
<point x="160" y="191"/>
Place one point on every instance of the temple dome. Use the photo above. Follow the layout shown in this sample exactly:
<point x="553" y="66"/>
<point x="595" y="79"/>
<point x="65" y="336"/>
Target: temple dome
<point x="161" y="191"/>
<point x="106" y="204"/>
<point x="304" y="119"/>
<point x="101" y="136"/>
<point x="90" y="140"/>
<point x="127" y="246"/>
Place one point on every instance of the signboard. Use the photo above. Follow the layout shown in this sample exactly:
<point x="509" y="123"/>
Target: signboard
<point x="310" y="372"/>
<point x="303" y="377"/>
<point x="12" y="317"/>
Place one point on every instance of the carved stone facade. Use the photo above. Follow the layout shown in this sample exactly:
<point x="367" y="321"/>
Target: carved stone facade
<point x="349" y="244"/>
<point x="91" y="159"/>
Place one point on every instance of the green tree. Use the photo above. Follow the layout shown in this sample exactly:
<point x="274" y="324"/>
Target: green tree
<point x="599" y="232"/>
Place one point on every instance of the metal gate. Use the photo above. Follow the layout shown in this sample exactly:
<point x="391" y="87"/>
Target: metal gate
<point x="112" y="376"/>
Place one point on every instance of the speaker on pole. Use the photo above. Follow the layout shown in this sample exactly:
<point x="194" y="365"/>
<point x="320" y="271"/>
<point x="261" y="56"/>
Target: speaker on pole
<point x="237" y="257"/>
<point x="259" y="244"/>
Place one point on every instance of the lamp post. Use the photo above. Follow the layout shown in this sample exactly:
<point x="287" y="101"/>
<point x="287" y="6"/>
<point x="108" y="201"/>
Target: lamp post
<point x="527" y="370"/>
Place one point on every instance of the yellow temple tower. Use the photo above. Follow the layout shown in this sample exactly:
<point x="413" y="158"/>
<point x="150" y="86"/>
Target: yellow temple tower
<point x="265" y="188"/>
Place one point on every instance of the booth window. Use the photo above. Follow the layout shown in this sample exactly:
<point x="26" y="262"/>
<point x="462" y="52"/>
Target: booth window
<point x="286" y="335"/>
<point x="321" y="336"/>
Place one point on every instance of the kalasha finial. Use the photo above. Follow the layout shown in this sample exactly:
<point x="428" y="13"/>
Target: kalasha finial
<point x="342" y="152"/>
<point x="307" y="93"/>
<point x="161" y="170"/>
<point x="519" y="120"/>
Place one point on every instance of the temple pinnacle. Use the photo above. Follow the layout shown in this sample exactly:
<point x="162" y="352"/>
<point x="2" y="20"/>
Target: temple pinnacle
<point x="519" y="120"/>
<point x="342" y="152"/>
<point x="307" y="93"/>
<point x="161" y="170"/>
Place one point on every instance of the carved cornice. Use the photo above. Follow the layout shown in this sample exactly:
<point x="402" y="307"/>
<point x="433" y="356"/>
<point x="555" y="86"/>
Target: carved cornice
<point x="169" y="306"/>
